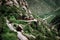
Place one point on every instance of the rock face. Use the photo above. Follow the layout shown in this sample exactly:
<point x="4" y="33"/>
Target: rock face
<point x="21" y="36"/>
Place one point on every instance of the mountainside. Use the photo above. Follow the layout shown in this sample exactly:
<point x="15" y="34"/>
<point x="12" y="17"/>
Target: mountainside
<point x="44" y="7"/>
<point x="29" y="20"/>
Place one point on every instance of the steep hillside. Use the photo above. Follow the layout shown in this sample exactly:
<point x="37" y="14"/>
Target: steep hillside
<point x="44" y="8"/>
<point x="18" y="23"/>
